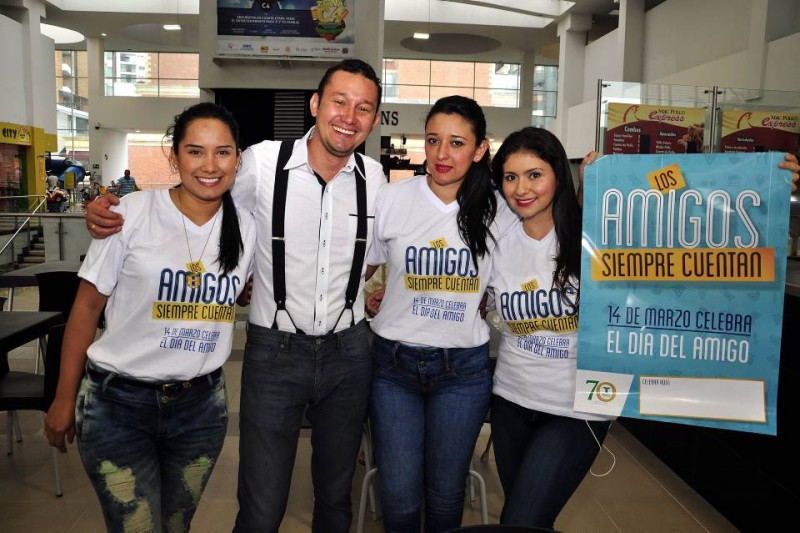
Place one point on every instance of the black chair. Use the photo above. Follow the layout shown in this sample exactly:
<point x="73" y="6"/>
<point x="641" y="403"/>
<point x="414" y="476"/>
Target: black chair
<point x="31" y="391"/>
<point x="57" y="291"/>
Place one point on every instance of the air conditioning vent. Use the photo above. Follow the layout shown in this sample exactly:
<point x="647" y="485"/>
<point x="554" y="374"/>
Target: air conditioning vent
<point x="290" y="111"/>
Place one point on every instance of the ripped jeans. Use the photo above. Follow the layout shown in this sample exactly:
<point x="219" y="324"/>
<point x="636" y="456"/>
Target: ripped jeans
<point x="149" y="452"/>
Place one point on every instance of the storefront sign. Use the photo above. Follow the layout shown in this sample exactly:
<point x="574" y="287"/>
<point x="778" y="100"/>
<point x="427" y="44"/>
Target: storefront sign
<point x="754" y="131"/>
<point x="649" y="129"/>
<point x="682" y="288"/>
<point x="15" y="134"/>
<point x="286" y="29"/>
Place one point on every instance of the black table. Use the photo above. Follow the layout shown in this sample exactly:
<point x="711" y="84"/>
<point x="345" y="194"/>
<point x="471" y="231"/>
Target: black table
<point x="26" y="277"/>
<point x="19" y="327"/>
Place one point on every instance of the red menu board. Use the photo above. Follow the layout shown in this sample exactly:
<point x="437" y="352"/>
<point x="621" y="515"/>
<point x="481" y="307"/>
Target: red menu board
<point x="759" y="131"/>
<point x="649" y="129"/>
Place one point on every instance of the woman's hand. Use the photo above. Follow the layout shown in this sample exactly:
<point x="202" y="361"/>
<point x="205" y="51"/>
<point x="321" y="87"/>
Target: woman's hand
<point x="790" y="163"/>
<point x="244" y="298"/>
<point x="587" y="160"/>
<point x="374" y="300"/>
<point x="59" y="423"/>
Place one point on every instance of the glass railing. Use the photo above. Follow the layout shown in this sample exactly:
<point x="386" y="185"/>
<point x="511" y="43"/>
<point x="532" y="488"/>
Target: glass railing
<point x="34" y="234"/>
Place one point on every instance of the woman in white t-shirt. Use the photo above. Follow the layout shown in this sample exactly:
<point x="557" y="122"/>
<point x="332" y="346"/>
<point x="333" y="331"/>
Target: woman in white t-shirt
<point x="150" y="413"/>
<point x="543" y="447"/>
<point x="431" y="381"/>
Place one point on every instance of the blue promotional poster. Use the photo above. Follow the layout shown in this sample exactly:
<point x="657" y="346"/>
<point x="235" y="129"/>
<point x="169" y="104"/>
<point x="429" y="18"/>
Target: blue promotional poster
<point x="286" y="28"/>
<point x="682" y="285"/>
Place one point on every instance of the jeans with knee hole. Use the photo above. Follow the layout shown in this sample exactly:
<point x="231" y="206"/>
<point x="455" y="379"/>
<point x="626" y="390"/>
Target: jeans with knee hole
<point x="149" y="453"/>
<point x="427" y="409"/>
<point x="541" y="459"/>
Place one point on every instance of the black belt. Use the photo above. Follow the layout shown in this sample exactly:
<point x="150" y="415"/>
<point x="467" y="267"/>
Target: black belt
<point x="162" y="386"/>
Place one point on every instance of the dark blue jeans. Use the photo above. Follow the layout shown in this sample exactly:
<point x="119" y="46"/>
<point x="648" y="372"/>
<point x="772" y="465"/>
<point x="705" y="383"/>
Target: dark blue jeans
<point x="149" y="453"/>
<point x="427" y="409"/>
<point x="541" y="460"/>
<point x="284" y="375"/>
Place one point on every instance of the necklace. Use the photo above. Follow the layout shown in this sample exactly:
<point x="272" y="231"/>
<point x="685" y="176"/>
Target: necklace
<point x="194" y="268"/>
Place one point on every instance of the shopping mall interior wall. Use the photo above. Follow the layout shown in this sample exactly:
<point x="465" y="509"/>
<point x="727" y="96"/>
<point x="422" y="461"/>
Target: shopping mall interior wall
<point x="12" y="87"/>
<point x="718" y="42"/>
<point x="682" y="34"/>
<point x="410" y="119"/>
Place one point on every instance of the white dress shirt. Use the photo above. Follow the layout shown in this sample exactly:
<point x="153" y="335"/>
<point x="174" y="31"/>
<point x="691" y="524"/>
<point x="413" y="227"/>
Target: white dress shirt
<point x="320" y="233"/>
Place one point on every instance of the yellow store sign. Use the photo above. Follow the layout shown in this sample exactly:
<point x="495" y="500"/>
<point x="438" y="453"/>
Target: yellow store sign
<point x="15" y="134"/>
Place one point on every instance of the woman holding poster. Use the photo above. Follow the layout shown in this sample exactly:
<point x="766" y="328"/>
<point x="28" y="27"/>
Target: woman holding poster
<point x="543" y="447"/>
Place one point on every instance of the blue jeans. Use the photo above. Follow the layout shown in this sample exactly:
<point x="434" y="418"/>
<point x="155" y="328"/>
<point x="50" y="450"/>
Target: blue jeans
<point x="149" y="453"/>
<point x="541" y="460"/>
<point x="427" y="408"/>
<point x="283" y="376"/>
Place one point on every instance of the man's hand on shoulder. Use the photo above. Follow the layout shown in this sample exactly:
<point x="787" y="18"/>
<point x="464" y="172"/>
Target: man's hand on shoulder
<point x="101" y="221"/>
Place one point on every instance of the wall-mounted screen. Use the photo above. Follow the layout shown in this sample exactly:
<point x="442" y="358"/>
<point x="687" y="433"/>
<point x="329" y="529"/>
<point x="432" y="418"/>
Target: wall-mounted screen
<point x="280" y="29"/>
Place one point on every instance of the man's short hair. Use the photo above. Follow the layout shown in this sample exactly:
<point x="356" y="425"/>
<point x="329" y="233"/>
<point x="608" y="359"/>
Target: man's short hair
<point x="353" y="66"/>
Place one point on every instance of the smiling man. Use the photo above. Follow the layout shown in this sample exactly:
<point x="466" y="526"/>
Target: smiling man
<point x="307" y="350"/>
<point x="307" y="345"/>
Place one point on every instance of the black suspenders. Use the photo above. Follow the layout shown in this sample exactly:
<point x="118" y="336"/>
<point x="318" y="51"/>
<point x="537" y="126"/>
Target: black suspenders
<point x="279" y="234"/>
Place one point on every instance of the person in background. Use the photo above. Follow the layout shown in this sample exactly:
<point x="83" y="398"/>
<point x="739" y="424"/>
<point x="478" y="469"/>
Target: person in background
<point x="112" y="187"/>
<point x="52" y="181"/>
<point x="307" y="343"/>
<point x="126" y="184"/>
<point x="150" y="413"/>
<point x="431" y="380"/>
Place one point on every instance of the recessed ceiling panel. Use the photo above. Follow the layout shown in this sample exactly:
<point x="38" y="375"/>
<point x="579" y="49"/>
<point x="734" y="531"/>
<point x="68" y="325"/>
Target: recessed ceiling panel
<point x="451" y="43"/>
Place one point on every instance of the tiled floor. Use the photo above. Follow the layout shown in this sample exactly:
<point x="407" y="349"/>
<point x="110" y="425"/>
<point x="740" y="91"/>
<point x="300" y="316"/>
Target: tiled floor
<point x="639" y="495"/>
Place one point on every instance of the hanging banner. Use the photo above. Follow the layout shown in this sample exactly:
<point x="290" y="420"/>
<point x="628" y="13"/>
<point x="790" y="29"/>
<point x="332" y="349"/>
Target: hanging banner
<point x="283" y="29"/>
<point x="682" y="288"/>
<point x="650" y="129"/>
<point x="759" y="131"/>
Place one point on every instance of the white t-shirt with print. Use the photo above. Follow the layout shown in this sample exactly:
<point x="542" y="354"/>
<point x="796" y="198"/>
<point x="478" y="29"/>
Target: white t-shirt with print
<point x="158" y="328"/>
<point x="433" y="289"/>
<point x="536" y="364"/>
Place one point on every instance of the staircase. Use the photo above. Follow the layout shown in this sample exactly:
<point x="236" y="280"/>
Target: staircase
<point x="34" y="255"/>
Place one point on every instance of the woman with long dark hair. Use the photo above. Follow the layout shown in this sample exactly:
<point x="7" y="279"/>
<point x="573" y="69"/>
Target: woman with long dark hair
<point x="431" y="381"/>
<point x="150" y="413"/>
<point x="543" y="448"/>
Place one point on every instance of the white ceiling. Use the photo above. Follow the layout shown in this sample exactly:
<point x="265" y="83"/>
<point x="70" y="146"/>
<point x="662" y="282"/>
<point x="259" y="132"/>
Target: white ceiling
<point x="520" y="26"/>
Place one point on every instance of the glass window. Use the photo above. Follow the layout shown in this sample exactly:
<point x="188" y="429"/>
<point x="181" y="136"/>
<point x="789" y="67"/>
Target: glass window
<point x="72" y="104"/>
<point x="423" y="82"/>
<point x="152" y="74"/>
<point x="545" y="94"/>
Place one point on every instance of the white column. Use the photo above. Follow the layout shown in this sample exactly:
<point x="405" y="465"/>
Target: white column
<point x="756" y="63"/>
<point x="572" y="51"/>
<point x="369" y="48"/>
<point x="36" y="49"/>
<point x="630" y="39"/>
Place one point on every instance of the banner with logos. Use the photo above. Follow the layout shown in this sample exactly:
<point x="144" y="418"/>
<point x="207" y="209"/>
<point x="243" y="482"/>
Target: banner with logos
<point x="682" y="288"/>
<point x="651" y="129"/>
<point x="759" y="131"/>
<point x="285" y="29"/>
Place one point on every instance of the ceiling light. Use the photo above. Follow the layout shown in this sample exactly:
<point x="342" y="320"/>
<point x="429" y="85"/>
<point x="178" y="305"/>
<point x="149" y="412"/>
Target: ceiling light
<point x="420" y="35"/>
<point x="102" y="35"/>
<point x="172" y="27"/>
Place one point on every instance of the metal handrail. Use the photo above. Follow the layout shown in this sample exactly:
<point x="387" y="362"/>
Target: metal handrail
<point x="30" y="214"/>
